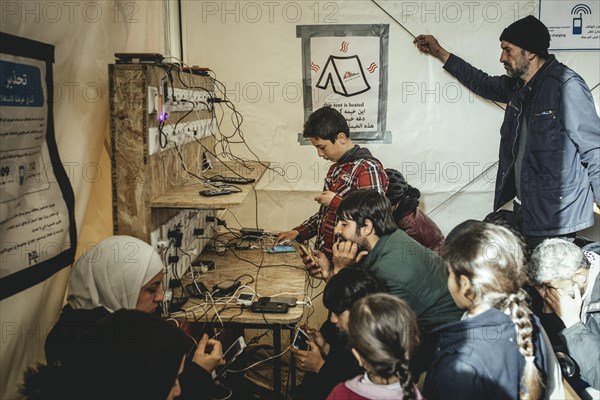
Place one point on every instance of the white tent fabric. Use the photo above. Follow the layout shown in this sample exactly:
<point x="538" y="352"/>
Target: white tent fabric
<point x="85" y="35"/>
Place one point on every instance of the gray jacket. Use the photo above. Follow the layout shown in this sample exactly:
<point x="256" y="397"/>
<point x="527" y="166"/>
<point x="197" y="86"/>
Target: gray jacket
<point x="560" y="173"/>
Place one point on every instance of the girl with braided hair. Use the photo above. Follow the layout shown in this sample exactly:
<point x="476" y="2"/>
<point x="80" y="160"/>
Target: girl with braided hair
<point x="383" y="333"/>
<point x="499" y="349"/>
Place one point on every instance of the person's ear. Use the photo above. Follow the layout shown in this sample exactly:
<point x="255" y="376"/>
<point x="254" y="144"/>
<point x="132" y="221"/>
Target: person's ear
<point x="465" y="286"/>
<point x="342" y="138"/>
<point x="359" y="359"/>
<point x="580" y="278"/>
<point x="367" y="229"/>
<point x="529" y="55"/>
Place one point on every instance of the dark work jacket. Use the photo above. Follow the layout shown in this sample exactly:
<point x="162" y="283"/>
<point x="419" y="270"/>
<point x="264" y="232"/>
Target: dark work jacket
<point x="195" y="382"/>
<point x="560" y="173"/>
<point x="478" y="358"/>
<point x="69" y="331"/>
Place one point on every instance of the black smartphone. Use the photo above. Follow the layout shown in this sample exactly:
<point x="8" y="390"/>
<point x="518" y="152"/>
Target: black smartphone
<point x="197" y="289"/>
<point x="301" y="340"/>
<point x="269" y="307"/>
<point x="290" y="301"/>
<point x="210" y="193"/>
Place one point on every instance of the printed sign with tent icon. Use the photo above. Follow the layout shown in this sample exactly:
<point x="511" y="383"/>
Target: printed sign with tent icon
<point x="345" y="67"/>
<point x="345" y="75"/>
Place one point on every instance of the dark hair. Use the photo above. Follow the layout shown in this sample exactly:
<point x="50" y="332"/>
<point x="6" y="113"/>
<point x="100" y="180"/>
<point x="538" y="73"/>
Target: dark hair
<point x="492" y="258"/>
<point x="383" y="330"/>
<point x="128" y="354"/>
<point x="364" y="204"/>
<point x="459" y="229"/>
<point x="346" y="287"/>
<point x="403" y="197"/>
<point x="325" y="124"/>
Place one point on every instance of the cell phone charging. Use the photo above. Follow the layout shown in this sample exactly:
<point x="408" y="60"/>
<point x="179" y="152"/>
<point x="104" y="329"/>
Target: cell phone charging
<point x="279" y="248"/>
<point x="229" y="356"/>
<point x="290" y="301"/>
<point x="245" y="299"/>
<point x="301" y="340"/>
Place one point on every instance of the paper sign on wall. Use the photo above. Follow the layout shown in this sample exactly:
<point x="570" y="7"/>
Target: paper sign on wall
<point x="573" y="25"/>
<point x="345" y="67"/>
<point x="37" y="224"/>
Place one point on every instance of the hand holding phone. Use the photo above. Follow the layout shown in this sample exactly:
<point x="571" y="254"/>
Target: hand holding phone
<point x="309" y="254"/>
<point x="230" y="355"/>
<point x="208" y="354"/>
<point x="317" y="338"/>
<point x="301" y="340"/>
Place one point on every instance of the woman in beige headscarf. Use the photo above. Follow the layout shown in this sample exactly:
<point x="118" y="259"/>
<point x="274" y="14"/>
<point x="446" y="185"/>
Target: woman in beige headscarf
<point x="119" y="272"/>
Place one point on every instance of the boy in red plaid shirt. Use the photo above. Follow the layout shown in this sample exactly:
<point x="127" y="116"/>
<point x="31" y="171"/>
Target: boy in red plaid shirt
<point x="354" y="168"/>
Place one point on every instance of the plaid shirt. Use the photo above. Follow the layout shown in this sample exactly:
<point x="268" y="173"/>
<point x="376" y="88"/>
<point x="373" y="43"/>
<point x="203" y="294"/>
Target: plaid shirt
<point x="361" y="173"/>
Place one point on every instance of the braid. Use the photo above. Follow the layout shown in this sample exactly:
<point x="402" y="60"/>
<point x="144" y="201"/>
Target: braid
<point x="403" y="372"/>
<point x="516" y="306"/>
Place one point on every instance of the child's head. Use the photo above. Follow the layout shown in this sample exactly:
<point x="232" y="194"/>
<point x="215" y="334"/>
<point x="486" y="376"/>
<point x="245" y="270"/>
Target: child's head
<point x="486" y="269"/>
<point x="329" y="133"/>
<point x="326" y="123"/>
<point x="383" y="334"/>
<point x="344" y="289"/>
<point x="485" y="266"/>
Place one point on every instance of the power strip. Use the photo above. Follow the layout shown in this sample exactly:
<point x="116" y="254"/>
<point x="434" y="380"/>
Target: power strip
<point x="251" y="233"/>
<point x="187" y="132"/>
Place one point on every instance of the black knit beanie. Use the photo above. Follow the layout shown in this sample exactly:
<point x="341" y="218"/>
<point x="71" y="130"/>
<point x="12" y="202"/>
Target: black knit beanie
<point x="530" y="34"/>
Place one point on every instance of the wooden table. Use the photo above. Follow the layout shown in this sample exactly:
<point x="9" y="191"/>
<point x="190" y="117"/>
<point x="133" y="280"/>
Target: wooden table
<point x="273" y="274"/>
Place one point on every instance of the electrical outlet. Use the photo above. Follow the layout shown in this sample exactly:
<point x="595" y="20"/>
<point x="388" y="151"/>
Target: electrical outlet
<point x="152" y="99"/>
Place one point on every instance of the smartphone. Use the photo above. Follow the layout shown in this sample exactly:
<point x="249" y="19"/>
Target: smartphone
<point x="230" y="355"/>
<point x="245" y="299"/>
<point x="309" y="254"/>
<point x="197" y="289"/>
<point x="269" y="307"/>
<point x="279" y="248"/>
<point x="225" y="288"/>
<point x="215" y="192"/>
<point x="301" y="340"/>
<point x="290" y="301"/>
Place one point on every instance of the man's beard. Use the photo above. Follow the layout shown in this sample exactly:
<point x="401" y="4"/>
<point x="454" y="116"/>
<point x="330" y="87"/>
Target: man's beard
<point x="520" y="69"/>
<point x="361" y="242"/>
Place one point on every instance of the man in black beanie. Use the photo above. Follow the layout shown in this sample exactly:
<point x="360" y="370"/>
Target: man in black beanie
<point x="549" y="159"/>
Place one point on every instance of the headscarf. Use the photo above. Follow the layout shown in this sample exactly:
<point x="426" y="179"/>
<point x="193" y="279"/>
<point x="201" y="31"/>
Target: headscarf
<point x="112" y="273"/>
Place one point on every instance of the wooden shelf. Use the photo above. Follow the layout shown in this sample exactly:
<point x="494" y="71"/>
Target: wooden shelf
<point x="187" y="195"/>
